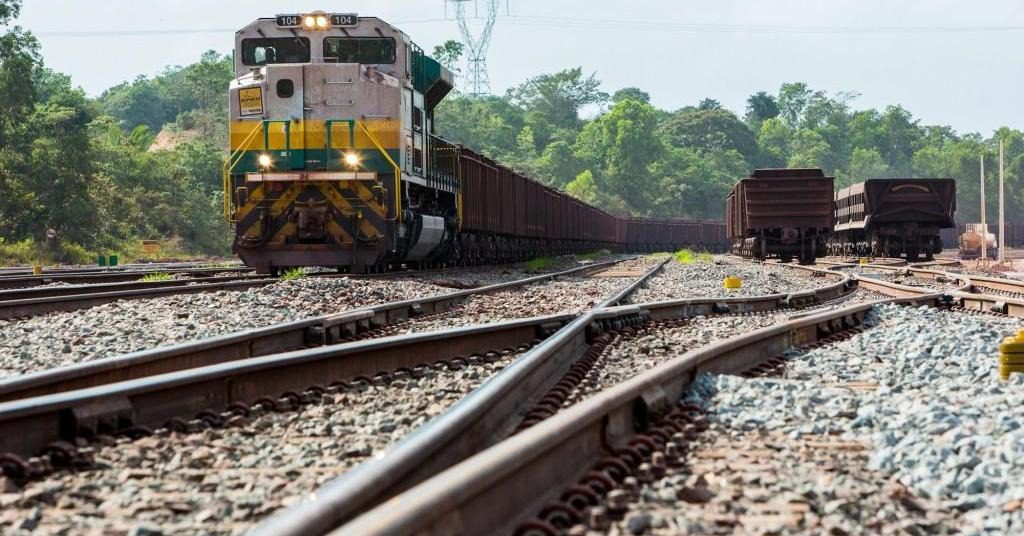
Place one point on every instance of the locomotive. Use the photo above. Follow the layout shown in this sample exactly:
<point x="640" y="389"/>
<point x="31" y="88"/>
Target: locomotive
<point x="334" y="162"/>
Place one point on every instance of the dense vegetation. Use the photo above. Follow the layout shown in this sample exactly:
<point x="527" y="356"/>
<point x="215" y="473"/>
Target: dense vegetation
<point x="143" y="159"/>
<point x="92" y="173"/>
<point x="635" y="158"/>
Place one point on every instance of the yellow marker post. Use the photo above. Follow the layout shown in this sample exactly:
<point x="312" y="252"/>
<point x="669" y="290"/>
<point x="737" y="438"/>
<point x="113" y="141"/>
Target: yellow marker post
<point x="1011" y="356"/>
<point x="864" y="261"/>
<point x="732" y="282"/>
<point x="37" y="269"/>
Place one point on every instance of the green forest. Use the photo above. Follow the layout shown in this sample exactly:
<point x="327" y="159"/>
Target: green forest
<point x="81" y="174"/>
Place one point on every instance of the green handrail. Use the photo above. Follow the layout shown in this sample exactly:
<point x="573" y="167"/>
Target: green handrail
<point x="287" y="134"/>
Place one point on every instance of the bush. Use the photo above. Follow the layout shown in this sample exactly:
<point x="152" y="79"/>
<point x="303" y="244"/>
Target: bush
<point x="159" y="276"/>
<point x="293" y="274"/>
<point x="685" y="256"/>
<point x="28" y="251"/>
<point x="539" y="263"/>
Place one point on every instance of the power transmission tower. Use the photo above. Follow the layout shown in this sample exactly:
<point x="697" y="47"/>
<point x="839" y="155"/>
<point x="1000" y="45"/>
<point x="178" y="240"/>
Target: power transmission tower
<point x="478" y="83"/>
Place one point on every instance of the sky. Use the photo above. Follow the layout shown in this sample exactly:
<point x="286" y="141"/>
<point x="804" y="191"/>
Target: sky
<point x="949" y="62"/>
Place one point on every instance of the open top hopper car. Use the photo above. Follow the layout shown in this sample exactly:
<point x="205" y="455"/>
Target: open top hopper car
<point x="782" y="213"/>
<point x="893" y="217"/>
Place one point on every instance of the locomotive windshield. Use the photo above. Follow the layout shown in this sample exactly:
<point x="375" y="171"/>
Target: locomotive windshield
<point x="269" y="50"/>
<point x="366" y="50"/>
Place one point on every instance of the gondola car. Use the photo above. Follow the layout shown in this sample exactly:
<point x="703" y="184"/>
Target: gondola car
<point x="893" y="217"/>
<point x="781" y="213"/>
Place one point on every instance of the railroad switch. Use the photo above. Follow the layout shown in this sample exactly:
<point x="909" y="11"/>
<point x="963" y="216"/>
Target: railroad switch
<point x="1011" y="355"/>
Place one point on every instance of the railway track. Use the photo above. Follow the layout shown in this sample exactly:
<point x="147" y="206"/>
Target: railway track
<point x="347" y="326"/>
<point x="25" y="303"/>
<point x="967" y="291"/>
<point x="585" y="465"/>
<point x="172" y="395"/>
<point x="42" y="299"/>
<point x="369" y="365"/>
<point x="91" y="278"/>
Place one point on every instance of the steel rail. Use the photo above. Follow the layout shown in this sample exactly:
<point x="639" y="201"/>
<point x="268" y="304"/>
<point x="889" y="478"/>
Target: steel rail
<point x="30" y="281"/>
<point x="491" y="412"/>
<point x="311" y="332"/>
<point x="79" y="290"/>
<point x="489" y="492"/>
<point x="29" y="426"/>
<point x="27" y="307"/>
<point x="154" y="266"/>
<point x="971" y="295"/>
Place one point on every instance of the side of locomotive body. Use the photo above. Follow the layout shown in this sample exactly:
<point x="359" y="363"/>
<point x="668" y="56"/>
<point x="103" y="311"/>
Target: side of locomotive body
<point x="893" y="217"/>
<point x="332" y="162"/>
<point x="782" y="213"/>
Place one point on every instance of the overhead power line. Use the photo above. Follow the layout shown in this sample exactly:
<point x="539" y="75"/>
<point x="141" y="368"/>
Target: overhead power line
<point x="600" y="24"/>
<point x="686" y="27"/>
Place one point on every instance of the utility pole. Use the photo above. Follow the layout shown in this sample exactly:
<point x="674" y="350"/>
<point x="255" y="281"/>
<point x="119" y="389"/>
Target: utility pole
<point x="1002" y="217"/>
<point x="478" y="83"/>
<point x="984" y="226"/>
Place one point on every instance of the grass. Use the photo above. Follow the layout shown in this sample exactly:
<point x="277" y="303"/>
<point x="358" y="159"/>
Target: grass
<point x="593" y="255"/>
<point x="30" y="252"/>
<point x="539" y="263"/>
<point x="686" y="256"/>
<point x="293" y="274"/>
<point x="159" y="276"/>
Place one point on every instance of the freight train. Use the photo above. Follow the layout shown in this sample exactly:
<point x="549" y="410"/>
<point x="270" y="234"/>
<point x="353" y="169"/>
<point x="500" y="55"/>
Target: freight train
<point x="781" y="213"/>
<point x="893" y="217"/>
<point x="788" y="213"/>
<point x="334" y="162"/>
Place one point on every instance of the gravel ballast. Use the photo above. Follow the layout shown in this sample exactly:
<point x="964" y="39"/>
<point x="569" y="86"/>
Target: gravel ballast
<point x="702" y="279"/>
<point x="903" y="428"/>
<point x="60" y="339"/>
<point x="569" y="294"/>
<point x="223" y="481"/>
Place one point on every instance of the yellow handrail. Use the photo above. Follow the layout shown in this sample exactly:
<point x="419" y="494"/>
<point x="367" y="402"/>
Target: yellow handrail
<point x="398" y="171"/>
<point x="233" y="159"/>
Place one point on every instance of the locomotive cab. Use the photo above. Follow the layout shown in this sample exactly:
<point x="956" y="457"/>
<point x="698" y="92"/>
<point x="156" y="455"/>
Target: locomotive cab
<point x="332" y="153"/>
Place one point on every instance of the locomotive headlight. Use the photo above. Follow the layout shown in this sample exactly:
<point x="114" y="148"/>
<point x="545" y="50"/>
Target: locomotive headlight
<point x="264" y="160"/>
<point x="309" y="21"/>
<point x="321" y="21"/>
<point x="352" y="160"/>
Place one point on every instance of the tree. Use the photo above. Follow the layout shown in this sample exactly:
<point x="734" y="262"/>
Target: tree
<point x="865" y="164"/>
<point x="792" y="100"/>
<point x="559" y="96"/>
<point x="631" y="93"/>
<point x="709" y="104"/>
<point x="619" y="148"/>
<point x="19" y="62"/>
<point x="448" y="54"/>
<point x="710" y="129"/>
<point x="9" y="10"/>
<point x="557" y="164"/>
<point x="760" y="107"/>
<point x="773" y="144"/>
<point x="808" y="149"/>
